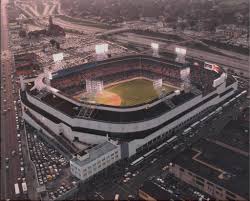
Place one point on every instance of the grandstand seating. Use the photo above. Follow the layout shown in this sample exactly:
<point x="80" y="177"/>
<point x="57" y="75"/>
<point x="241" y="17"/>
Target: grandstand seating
<point x="110" y="71"/>
<point x="103" y="115"/>
<point x="117" y="71"/>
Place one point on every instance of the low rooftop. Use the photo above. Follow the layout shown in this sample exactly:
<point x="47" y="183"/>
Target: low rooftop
<point x="95" y="153"/>
<point x="210" y="160"/>
<point x="236" y="135"/>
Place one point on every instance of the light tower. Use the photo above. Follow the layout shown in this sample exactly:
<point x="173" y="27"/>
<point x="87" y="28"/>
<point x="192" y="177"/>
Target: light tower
<point x="57" y="57"/>
<point x="101" y="51"/>
<point x="58" y="60"/>
<point x="22" y="83"/>
<point x="181" y="54"/>
<point x="47" y="76"/>
<point x="155" y="48"/>
<point x="185" y="78"/>
<point x="94" y="86"/>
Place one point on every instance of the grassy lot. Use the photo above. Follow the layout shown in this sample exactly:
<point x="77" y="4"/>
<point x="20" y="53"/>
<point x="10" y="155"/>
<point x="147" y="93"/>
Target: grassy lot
<point x="132" y="92"/>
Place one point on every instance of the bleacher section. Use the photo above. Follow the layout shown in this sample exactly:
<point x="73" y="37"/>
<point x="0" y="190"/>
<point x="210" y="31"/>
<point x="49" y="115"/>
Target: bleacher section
<point x="61" y="104"/>
<point x="86" y="112"/>
<point x="170" y="103"/>
<point x="203" y="79"/>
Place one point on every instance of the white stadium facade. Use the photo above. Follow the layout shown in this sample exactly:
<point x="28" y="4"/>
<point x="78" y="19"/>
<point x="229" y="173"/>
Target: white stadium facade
<point x="51" y="109"/>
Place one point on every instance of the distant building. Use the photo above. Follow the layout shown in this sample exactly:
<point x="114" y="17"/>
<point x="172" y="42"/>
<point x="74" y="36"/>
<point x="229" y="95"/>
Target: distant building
<point x="159" y="24"/>
<point x="214" y="169"/>
<point x="37" y="33"/>
<point x="232" y="30"/>
<point x="88" y="163"/>
<point x="53" y="30"/>
<point x="26" y="63"/>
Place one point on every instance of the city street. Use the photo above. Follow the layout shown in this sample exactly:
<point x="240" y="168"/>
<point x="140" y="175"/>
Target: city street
<point x="8" y="120"/>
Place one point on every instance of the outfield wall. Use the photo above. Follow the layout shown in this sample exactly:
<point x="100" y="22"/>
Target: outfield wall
<point x="135" y="144"/>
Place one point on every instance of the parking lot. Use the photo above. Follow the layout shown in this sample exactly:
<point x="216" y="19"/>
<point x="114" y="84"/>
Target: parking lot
<point x="52" y="168"/>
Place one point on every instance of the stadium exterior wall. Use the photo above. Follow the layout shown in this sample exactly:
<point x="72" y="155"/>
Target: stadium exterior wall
<point x="27" y="118"/>
<point x="116" y="127"/>
<point x="133" y="145"/>
<point x="54" y="127"/>
<point x="62" y="128"/>
<point x="84" y="137"/>
<point x="123" y="127"/>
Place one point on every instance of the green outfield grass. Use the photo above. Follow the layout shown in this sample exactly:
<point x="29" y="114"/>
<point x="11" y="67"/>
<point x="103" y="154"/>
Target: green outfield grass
<point x="135" y="92"/>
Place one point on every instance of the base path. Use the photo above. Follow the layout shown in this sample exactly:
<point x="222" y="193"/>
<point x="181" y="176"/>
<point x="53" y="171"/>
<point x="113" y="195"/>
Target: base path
<point x="108" y="98"/>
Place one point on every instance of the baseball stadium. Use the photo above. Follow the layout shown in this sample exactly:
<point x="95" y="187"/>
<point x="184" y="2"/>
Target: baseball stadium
<point x="139" y="100"/>
<point x="122" y="86"/>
